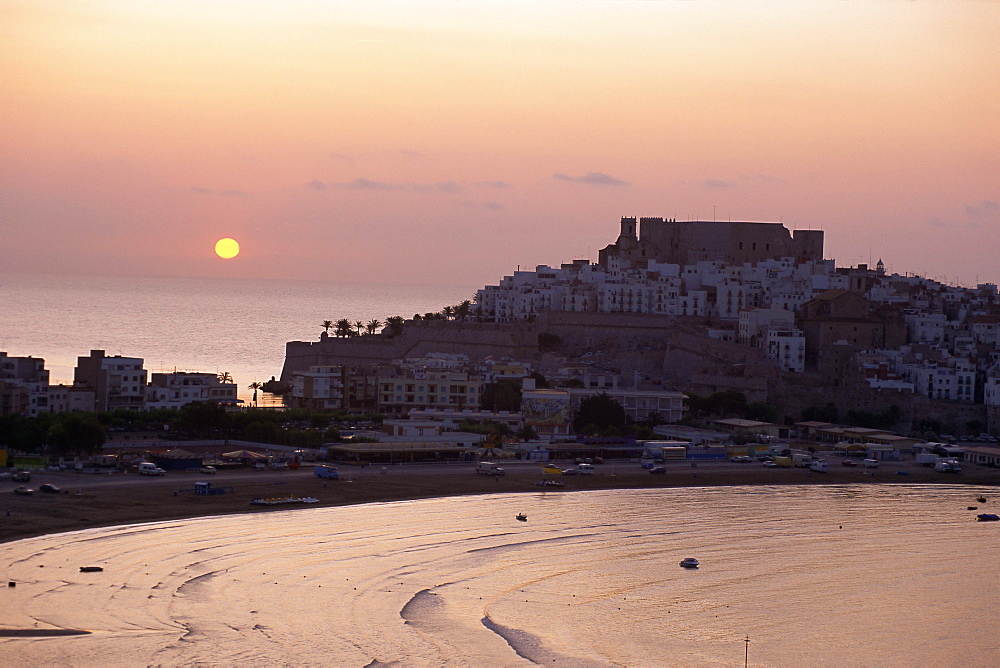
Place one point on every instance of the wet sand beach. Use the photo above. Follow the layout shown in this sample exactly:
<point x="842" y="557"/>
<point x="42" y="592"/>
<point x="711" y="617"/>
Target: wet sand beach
<point x="88" y="500"/>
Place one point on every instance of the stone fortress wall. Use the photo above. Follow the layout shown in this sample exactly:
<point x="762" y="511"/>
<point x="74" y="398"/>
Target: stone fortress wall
<point x="668" y="241"/>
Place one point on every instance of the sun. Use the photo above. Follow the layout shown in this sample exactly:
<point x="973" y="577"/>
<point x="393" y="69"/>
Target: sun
<point x="227" y="248"/>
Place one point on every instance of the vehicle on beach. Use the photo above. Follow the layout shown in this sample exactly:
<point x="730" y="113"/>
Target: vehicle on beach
<point x="149" y="468"/>
<point x="489" y="468"/>
<point x="689" y="562"/>
<point x="327" y="472"/>
<point x="585" y="469"/>
<point x="819" y="466"/>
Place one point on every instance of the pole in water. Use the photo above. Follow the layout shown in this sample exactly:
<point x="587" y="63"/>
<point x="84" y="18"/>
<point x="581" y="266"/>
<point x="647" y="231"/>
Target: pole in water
<point x="746" y="652"/>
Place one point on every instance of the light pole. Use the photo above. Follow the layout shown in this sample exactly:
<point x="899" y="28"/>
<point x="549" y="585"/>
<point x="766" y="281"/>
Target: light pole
<point x="746" y="651"/>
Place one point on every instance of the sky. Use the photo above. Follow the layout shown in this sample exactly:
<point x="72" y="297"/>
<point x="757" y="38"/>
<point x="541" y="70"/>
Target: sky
<point x="451" y="142"/>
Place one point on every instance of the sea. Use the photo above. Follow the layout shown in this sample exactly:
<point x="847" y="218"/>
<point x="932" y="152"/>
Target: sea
<point x="214" y="325"/>
<point x="839" y="575"/>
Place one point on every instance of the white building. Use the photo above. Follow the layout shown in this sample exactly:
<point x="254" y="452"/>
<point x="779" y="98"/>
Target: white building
<point x="787" y="347"/>
<point x="180" y="388"/>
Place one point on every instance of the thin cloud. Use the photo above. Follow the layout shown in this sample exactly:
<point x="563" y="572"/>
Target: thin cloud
<point x="717" y="183"/>
<point x="492" y="184"/>
<point x="985" y="209"/>
<point x="592" y="178"/>
<point x="341" y="156"/>
<point x="762" y="177"/>
<point x="440" y="187"/>
<point x="934" y="221"/>
<point x="367" y="184"/>
<point x="316" y="185"/>
<point x="487" y="206"/>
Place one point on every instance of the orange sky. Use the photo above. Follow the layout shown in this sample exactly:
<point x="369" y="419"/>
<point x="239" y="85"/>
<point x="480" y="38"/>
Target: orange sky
<point x="449" y="142"/>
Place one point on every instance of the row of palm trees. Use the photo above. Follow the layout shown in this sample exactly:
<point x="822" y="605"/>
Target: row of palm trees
<point x="344" y="328"/>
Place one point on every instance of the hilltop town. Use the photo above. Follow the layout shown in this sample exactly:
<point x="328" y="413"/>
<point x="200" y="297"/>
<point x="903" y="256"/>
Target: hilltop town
<point x="689" y="308"/>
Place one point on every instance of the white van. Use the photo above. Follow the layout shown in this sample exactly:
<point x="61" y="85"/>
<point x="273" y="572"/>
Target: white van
<point x="819" y="466"/>
<point x="870" y="463"/>
<point x="149" y="468"/>
<point x="586" y="469"/>
<point x="489" y="468"/>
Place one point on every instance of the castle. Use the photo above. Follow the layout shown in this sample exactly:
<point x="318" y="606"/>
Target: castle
<point x="664" y="240"/>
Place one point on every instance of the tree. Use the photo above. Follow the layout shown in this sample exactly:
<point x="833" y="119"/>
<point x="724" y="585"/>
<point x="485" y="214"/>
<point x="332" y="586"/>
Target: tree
<point x="373" y="325"/>
<point x="76" y="434"/>
<point x="255" y="386"/>
<point x="601" y="411"/>
<point x="327" y="324"/>
<point x="503" y="395"/>
<point x="527" y="433"/>
<point x="395" y="325"/>
<point x="360" y="326"/>
<point x="343" y="328"/>
<point x="224" y="377"/>
<point x="447" y="312"/>
<point x="462" y="310"/>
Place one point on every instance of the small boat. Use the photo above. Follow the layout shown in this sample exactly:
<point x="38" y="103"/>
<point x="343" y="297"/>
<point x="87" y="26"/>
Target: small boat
<point x="973" y="507"/>
<point x="981" y="499"/>
<point x="90" y="569"/>
<point x="689" y="562"/>
<point x="987" y="517"/>
<point x="521" y="517"/>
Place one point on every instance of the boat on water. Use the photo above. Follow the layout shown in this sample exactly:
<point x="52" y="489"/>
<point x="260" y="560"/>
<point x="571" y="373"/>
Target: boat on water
<point x="987" y="517"/>
<point x="689" y="562"/>
<point x="521" y="517"/>
<point x="981" y="499"/>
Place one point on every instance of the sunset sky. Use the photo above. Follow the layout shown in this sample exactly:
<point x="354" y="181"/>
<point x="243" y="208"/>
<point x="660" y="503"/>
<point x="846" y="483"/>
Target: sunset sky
<point x="449" y="142"/>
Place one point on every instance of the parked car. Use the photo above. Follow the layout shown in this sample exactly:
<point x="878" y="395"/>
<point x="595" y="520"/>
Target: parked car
<point x="21" y="476"/>
<point x="849" y="462"/>
<point x="570" y="472"/>
<point x="210" y="470"/>
<point x="26" y="491"/>
<point x="770" y="464"/>
<point x="658" y="469"/>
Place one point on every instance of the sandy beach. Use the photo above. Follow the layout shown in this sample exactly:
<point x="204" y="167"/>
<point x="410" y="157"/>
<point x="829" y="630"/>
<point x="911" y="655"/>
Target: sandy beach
<point x="89" y="500"/>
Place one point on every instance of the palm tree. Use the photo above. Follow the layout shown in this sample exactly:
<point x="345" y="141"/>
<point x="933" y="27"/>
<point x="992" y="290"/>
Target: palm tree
<point x="224" y="377"/>
<point x="360" y="326"/>
<point x="395" y="325"/>
<point x="343" y="328"/>
<point x="373" y="325"/>
<point x="463" y="309"/>
<point x="327" y="324"/>
<point x="255" y="386"/>
<point x="447" y="311"/>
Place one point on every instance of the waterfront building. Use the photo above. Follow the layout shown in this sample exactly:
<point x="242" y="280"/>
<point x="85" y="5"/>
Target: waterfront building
<point x="24" y="385"/>
<point x="321" y="387"/>
<point x="70" y="398"/>
<point x="118" y="382"/>
<point x="400" y="392"/>
<point x="180" y="388"/>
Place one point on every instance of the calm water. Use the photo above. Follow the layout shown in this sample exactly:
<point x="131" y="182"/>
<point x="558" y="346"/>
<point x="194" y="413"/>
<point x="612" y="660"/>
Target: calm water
<point x="816" y="576"/>
<point x="196" y="324"/>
